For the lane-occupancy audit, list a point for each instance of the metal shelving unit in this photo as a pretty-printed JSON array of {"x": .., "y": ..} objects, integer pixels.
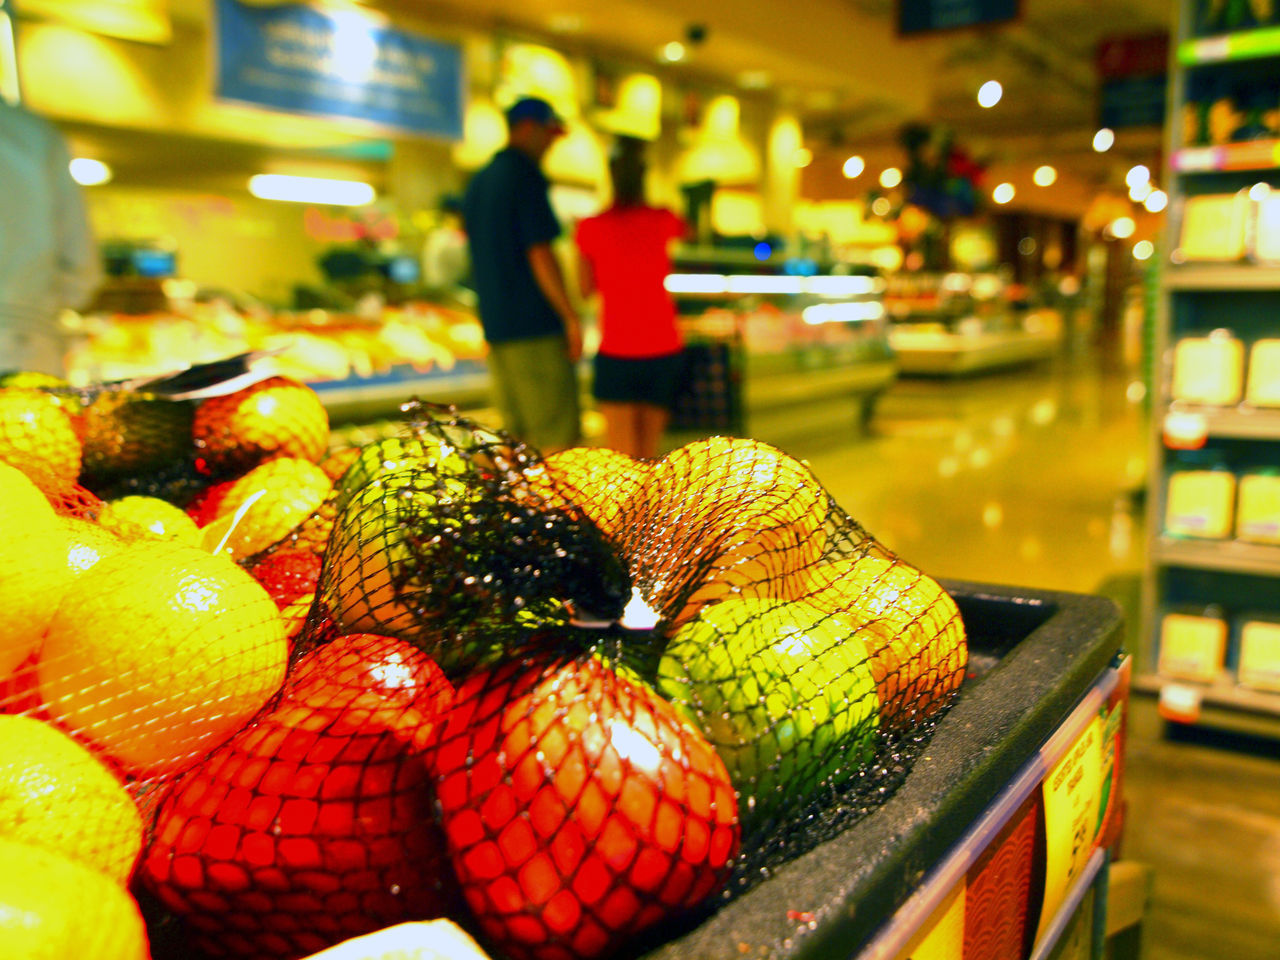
[{"x": 1195, "y": 298}]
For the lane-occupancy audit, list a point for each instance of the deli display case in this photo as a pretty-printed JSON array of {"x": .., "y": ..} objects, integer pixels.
[
  {"x": 955, "y": 324},
  {"x": 362, "y": 364},
  {"x": 778, "y": 345}
]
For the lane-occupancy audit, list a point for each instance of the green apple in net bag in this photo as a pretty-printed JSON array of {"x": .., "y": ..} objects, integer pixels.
[
  {"x": 783, "y": 692},
  {"x": 396, "y": 455}
]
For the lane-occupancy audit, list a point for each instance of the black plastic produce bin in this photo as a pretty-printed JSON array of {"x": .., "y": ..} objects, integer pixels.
[{"x": 1033, "y": 656}]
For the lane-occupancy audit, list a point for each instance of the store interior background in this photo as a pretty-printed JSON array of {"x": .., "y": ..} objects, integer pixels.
[{"x": 1033, "y": 475}]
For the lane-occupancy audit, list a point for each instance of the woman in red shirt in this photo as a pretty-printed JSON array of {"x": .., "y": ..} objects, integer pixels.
[{"x": 624, "y": 253}]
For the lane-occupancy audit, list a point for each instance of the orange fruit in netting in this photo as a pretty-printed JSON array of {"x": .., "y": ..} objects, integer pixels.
[
  {"x": 159, "y": 653},
  {"x": 53, "y": 907},
  {"x": 84, "y": 543},
  {"x": 276, "y": 417},
  {"x": 291, "y": 491},
  {"x": 56, "y": 794},
  {"x": 336, "y": 462},
  {"x": 603, "y": 483},
  {"x": 749, "y": 515},
  {"x": 910, "y": 625},
  {"x": 139, "y": 517},
  {"x": 87, "y": 543},
  {"x": 37, "y": 437},
  {"x": 33, "y": 566},
  {"x": 771, "y": 562}
]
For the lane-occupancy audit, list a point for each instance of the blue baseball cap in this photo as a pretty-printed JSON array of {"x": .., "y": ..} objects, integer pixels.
[{"x": 535, "y": 109}]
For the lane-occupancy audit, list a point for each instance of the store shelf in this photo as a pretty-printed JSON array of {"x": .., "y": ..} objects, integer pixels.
[
  {"x": 1222, "y": 276},
  {"x": 1228, "y": 157},
  {"x": 1228, "y": 47},
  {"x": 1230, "y": 556},
  {"x": 1237, "y": 423},
  {"x": 1221, "y": 705}
]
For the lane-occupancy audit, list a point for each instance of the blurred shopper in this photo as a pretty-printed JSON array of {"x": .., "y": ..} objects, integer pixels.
[
  {"x": 625, "y": 254},
  {"x": 47, "y": 256},
  {"x": 533, "y": 331}
]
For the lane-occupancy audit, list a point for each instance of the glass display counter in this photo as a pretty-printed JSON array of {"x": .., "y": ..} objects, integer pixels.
[
  {"x": 954, "y": 324},
  {"x": 800, "y": 349},
  {"x": 360, "y": 365}
]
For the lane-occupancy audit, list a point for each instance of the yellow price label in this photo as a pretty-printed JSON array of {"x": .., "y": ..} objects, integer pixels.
[{"x": 1072, "y": 796}]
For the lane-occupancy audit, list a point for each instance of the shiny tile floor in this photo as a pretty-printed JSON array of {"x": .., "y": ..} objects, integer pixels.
[
  {"x": 1032, "y": 477},
  {"x": 1023, "y": 477}
]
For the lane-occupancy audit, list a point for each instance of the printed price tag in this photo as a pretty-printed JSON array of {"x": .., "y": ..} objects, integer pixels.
[
  {"x": 1072, "y": 796},
  {"x": 1211, "y": 48},
  {"x": 1179, "y": 703},
  {"x": 1193, "y": 159},
  {"x": 1185, "y": 431},
  {"x": 941, "y": 937}
]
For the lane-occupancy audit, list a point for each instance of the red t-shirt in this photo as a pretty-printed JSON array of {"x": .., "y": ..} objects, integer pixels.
[{"x": 627, "y": 248}]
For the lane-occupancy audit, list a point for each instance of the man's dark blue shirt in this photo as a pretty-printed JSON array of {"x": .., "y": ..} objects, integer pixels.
[{"x": 507, "y": 211}]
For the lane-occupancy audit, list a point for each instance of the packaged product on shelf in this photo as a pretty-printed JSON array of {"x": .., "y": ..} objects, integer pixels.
[
  {"x": 1208, "y": 370},
  {"x": 1263, "y": 388},
  {"x": 1258, "y": 663},
  {"x": 1199, "y": 502},
  {"x": 1265, "y": 244},
  {"x": 1193, "y": 646},
  {"x": 1258, "y": 507},
  {"x": 1214, "y": 227}
]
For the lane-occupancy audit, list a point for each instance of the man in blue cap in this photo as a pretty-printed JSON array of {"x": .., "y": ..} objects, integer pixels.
[{"x": 533, "y": 330}]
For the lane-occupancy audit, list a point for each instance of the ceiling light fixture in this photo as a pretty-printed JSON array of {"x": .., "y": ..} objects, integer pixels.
[
  {"x": 1003, "y": 193},
  {"x": 343, "y": 193},
  {"x": 1122, "y": 227},
  {"x": 853, "y": 167},
  {"x": 1104, "y": 139},
  {"x": 89, "y": 173},
  {"x": 1045, "y": 176},
  {"x": 1143, "y": 249},
  {"x": 673, "y": 52},
  {"x": 1156, "y": 201},
  {"x": 890, "y": 177},
  {"x": 989, "y": 93},
  {"x": 1140, "y": 191},
  {"x": 1138, "y": 174}
]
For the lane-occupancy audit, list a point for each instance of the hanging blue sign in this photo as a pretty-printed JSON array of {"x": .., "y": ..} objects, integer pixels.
[
  {"x": 338, "y": 63},
  {"x": 925, "y": 16}
]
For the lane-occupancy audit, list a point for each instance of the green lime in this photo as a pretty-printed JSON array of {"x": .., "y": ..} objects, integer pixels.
[
  {"x": 784, "y": 694},
  {"x": 397, "y": 456}
]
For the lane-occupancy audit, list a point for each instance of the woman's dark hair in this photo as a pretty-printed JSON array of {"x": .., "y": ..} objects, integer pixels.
[{"x": 626, "y": 168}]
